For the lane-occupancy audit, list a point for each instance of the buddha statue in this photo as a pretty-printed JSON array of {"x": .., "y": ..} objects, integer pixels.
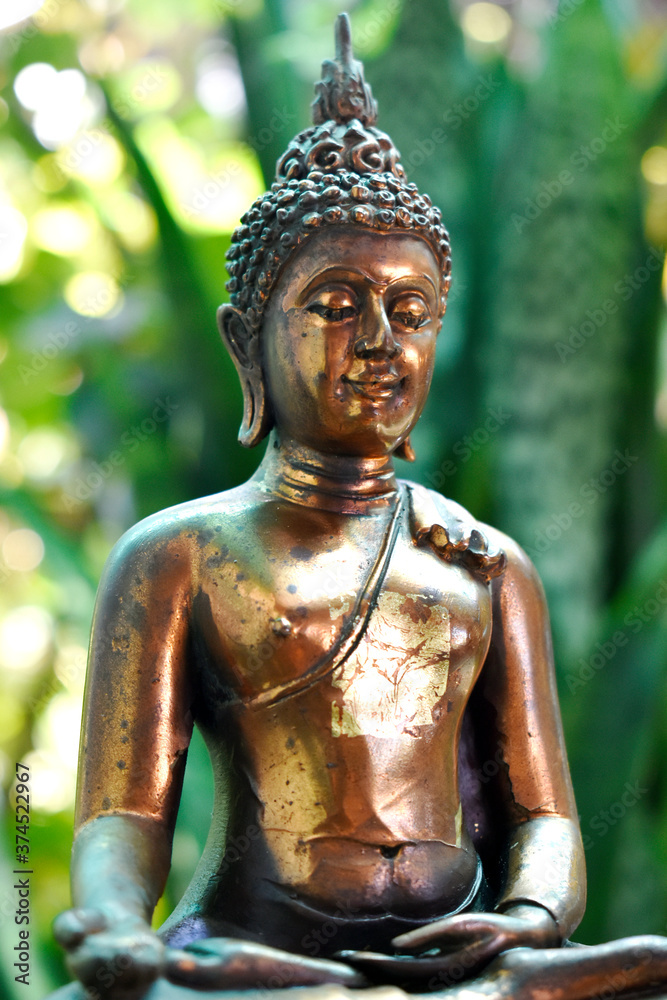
[{"x": 352, "y": 647}]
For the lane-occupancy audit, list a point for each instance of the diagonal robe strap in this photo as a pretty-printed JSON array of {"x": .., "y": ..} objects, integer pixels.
[{"x": 353, "y": 631}]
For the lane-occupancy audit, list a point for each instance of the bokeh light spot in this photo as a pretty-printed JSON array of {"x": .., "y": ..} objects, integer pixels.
[
  {"x": 23, "y": 550},
  {"x": 52, "y": 786},
  {"x": 148, "y": 87},
  {"x": 15, "y": 11},
  {"x": 60, "y": 102},
  {"x": 43, "y": 452},
  {"x": 57, "y": 730},
  {"x": 487, "y": 23},
  {"x": 101, "y": 56},
  {"x": 12, "y": 716},
  {"x": 33, "y": 82},
  {"x": 62, "y": 230},
  {"x": 219, "y": 86},
  {"x": 69, "y": 383},
  {"x": 13, "y": 231},
  {"x": 654, "y": 165},
  {"x": 93, "y": 156},
  {"x": 133, "y": 219},
  {"x": 5, "y": 432},
  {"x": 70, "y": 667},
  {"x": 25, "y": 639},
  {"x": 92, "y": 293}
]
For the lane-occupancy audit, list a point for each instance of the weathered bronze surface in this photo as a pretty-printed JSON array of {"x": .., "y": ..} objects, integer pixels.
[{"x": 352, "y": 647}]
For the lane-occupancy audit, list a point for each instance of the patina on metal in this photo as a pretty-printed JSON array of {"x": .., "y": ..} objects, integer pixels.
[{"x": 353, "y": 648}]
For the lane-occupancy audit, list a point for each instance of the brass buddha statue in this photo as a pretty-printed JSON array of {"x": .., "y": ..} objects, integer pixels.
[{"x": 352, "y": 647}]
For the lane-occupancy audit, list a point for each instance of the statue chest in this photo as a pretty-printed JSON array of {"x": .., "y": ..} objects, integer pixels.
[
  {"x": 397, "y": 677},
  {"x": 267, "y": 629}
]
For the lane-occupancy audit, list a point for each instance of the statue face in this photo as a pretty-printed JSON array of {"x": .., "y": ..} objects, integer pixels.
[{"x": 349, "y": 340}]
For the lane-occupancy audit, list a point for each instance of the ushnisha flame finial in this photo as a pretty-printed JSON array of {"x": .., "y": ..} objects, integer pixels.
[
  {"x": 341, "y": 171},
  {"x": 343, "y": 136},
  {"x": 342, "y": 93}
]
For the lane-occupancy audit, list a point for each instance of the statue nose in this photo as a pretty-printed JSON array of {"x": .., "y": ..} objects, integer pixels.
[{"x": 376, "y": 336}]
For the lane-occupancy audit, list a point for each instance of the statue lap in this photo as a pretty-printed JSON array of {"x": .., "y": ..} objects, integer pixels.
[{"x": 520, "y": 974}]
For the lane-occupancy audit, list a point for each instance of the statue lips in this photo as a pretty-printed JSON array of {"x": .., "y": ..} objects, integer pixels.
[{"x": 376, "y": 387}]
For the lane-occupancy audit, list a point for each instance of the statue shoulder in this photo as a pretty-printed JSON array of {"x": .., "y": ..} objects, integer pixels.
[
  {"x": 487, "y": 553},
  {"x": 424, "y": 499},
  {"x": 167, "y": 540},
  {"x": 519, "y": 566},
  {"x": 454, "y": 534}
]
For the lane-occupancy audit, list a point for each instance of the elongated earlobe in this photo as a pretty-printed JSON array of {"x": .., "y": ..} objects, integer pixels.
[
  {"x": 406, "y": 451},
  {"x": 243, "y": 347}
]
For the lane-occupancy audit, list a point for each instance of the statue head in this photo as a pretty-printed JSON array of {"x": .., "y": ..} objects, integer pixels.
[{"x": 341, "y": 176}]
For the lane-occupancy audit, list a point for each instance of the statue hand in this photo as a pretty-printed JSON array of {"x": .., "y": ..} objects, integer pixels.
[
  {"x": 521, "y": 926},
  {"x": 119, "y": 953},
  {"x": 466, "y": 942},
  {"x": 230, "y": 963}
]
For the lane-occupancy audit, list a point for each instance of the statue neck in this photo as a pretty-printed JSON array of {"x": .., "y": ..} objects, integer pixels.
[{"x": 339, "y": 483}]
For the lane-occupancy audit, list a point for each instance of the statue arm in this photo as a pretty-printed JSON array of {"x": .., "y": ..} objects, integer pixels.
[
  {"x": 137, "y": 723},
  {"x": 545, "y": 858},
  {"x": 137, "y": 716}
]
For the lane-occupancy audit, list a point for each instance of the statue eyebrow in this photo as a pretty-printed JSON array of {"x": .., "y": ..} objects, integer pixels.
[{"x": 336, "y": 273}]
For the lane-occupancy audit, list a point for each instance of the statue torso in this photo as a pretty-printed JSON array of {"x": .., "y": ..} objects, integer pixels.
[{"x": 349, "y": 770}]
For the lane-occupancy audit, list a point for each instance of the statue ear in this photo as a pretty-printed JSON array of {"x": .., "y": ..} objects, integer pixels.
[
  {"x": 242, "y": 344},
  {"x": 406, "y": 451}
]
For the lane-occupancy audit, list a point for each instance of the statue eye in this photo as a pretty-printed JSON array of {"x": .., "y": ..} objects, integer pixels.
[
  {"x": 410, "y": 320},
  {"x": 332, "y": 314},
  {"x": 411, "y": 312}
]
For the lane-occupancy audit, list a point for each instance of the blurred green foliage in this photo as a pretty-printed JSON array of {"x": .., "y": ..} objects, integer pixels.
[{"x": 539, "y": 129}]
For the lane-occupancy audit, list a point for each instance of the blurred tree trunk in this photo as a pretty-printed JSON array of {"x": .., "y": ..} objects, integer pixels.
[
  {"x": 275, "y": 96},
  {"x": 567, "y": 228},
  {"x": 571, "y": 315}
]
